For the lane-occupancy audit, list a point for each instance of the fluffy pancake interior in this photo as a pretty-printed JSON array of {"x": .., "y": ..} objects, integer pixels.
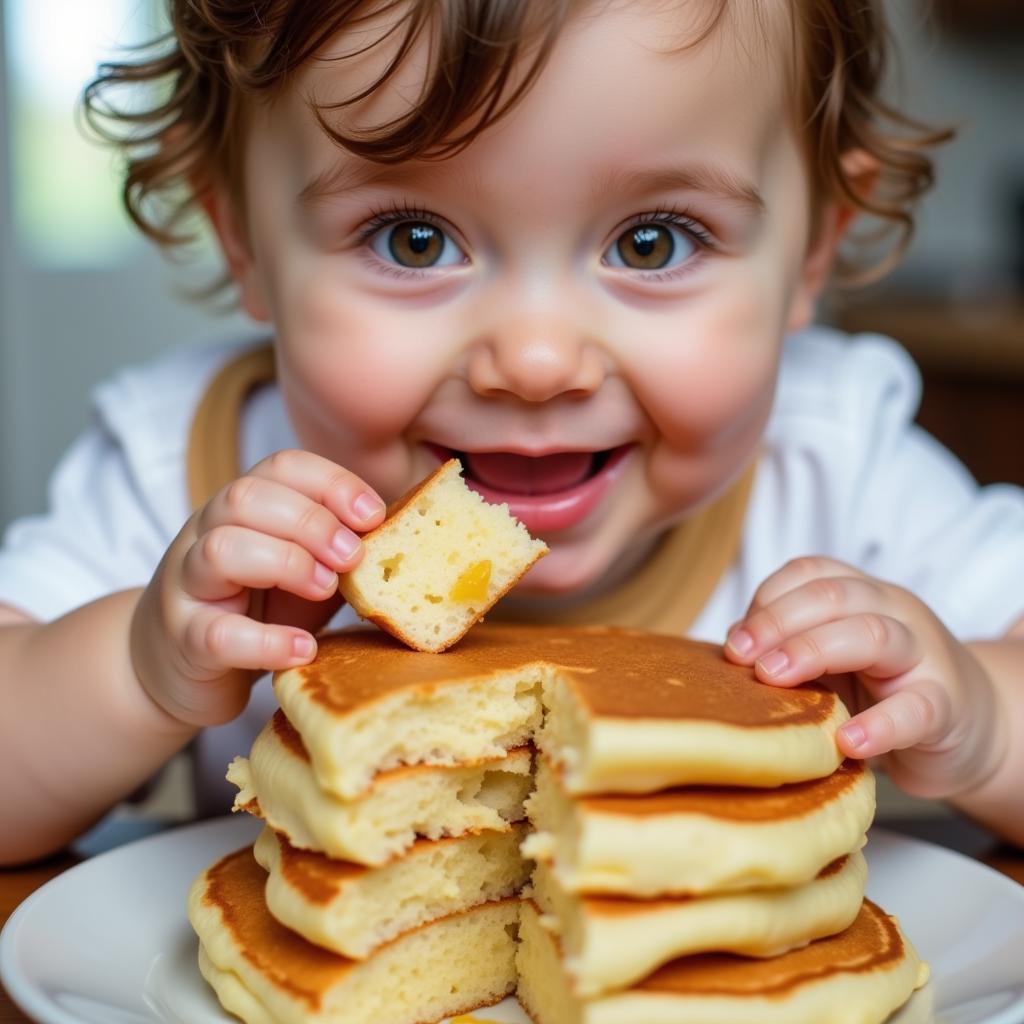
[
  {"x": 483, "y": 717},
  {"x": 351, "y": 909},
  {"x": 450, "y": 966},
  {"x": 403, "y": 804},
  {"x": 439, "y": 562}
]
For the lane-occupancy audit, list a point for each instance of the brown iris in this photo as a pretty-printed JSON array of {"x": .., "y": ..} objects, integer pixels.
[
  {"x": 646, "y": 247},
  {"x": 416, "y": 244}
]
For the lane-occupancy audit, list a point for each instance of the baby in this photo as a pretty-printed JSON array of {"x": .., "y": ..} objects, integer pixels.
[{"x": 579, "y": 245}]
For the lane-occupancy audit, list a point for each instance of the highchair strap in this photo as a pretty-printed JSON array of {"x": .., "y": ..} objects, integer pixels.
[{"x": 214, "y": 445}]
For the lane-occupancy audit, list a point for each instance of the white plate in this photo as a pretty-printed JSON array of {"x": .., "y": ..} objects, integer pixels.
[{"x": 108, "y": 941}]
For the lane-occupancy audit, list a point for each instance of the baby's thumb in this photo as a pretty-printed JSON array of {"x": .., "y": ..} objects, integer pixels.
[{"x": 916, "y": 715}]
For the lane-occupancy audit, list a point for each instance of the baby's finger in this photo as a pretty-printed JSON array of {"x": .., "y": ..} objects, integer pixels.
[
  {"x": 917, "y": 714},
  {"x": 219, "y": 640},
  {"x": 872, "y": 644},
  {"x": 230, "y": 559},
  {"x": 271, "y": 508},
  {"x": 796, "y": 573},
  {"x": 823, "y": 599},
  {"x": 352, "y": 500}
]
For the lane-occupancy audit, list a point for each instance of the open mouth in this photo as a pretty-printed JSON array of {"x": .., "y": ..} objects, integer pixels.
[{"x": 545, "y": 492}]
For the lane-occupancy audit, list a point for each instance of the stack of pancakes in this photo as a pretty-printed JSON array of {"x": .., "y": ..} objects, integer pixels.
[{"x": 697, "y": 840}]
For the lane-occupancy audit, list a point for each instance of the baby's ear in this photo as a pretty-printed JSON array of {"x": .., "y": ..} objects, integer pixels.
[
  {"x": 860, "y": 169},
  {"x": 225, "y": 218}
]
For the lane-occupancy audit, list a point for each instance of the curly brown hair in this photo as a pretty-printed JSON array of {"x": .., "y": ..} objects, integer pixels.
[{"x": 221, "y": 55}]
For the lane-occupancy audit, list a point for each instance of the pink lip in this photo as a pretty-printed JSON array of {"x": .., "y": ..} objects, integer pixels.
[{"x": 548, "y": 513}]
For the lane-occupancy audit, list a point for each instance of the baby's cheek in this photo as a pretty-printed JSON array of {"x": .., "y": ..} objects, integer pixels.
[
  {"x": 710, "y": 399},
  {"x": 352, "y": 385},
  {"x": 716, "y": 384},
  {"x": 359, "y": 370}
]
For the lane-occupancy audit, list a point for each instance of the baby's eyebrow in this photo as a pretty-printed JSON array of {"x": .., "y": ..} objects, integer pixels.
[
  {"x": 710, "y": 179},
  {"x": 349, "y": 175},
  {"x": 718, "y": 182}
]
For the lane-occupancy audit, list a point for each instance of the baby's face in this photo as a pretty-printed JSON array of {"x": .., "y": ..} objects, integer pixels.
[{"x": 586, "y": 305}]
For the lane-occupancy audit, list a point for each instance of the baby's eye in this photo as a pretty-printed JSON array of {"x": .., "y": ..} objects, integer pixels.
[
  {"x": 416, "y": 244},
  {"x": 650, "y": 246}
]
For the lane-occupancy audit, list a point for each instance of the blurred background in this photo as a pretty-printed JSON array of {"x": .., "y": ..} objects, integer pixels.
[
  {"x": 81, "y": 294},
  {"x": 81, "y": 291}
]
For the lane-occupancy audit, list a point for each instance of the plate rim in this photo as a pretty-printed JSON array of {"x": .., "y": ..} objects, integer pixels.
[
  {"x": 26, "y": 996},
  {"x": 35, "y": 1003}
]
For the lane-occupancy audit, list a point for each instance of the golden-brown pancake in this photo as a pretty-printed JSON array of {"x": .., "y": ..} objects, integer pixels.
[
  {"x": 859, "y": 976},
  {"x": 276, "y": 783},
  {"x": 625, "y": 711},
  {"x": 267, "y": 974},
  {"x": 700, "y": 839},
  {"x": 612, "y": 942},
  {"x": 351, "y": 909}
]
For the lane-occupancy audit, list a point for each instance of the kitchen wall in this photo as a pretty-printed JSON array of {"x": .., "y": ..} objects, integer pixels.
[{"x": 971, "y": 229}]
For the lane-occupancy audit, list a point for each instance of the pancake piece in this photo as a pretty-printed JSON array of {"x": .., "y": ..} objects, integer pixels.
[
  {"x": 644, "y": 712},
  {"x": 367, "y": 705},
  {"x": 857, "y": 977},
  {"x": 625, "y": 711},
  {"x": 697, "y": 840},
  {"x": 276, "y": 783},
  {"x": 351, "y": 909},
  {"x": 266, "y": 974},
  {"x": 610, "y": 942},
  {"x": 438, "y": 562}
]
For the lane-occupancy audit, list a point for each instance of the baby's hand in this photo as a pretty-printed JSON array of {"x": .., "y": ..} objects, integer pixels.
[
  {"x": 918, "y": 696},
  {"x": 250, "y": 578}
]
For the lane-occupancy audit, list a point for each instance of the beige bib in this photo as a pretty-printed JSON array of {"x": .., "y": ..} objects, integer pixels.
[{"x": 665, "y": 595}]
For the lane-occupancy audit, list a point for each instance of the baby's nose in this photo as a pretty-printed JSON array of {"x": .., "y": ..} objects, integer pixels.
[{"x": 536, "y": 358}]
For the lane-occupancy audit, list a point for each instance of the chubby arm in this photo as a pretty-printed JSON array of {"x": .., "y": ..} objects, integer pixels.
[
  {"x": 95, "y": 702},
  {"x": 77, "y": 732},
  {"x": 998, "y": 802}
]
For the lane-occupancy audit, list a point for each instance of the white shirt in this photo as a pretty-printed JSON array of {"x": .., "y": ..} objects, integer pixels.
[{"x": 844, "y": 472}]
